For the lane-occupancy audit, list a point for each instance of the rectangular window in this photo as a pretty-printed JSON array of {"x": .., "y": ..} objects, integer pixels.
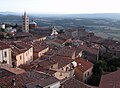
[
  {"x": 51, "y": 66},
  {"x": 20, "y": 57},
  {"x": 5, "y": 53},
  {"x": 31, "y": 57},
  {"x": 85, "y": 75},
  {"x": 31, "y": 50},
  {"x": 88, "y": 73}
]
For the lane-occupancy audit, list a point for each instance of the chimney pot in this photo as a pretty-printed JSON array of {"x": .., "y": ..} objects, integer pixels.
[{"x": 13, "y": 82}]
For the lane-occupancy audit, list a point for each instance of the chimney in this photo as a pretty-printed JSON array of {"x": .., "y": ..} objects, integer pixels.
[
  {"x": 13, "y": 82},
  {"x": 86, "y": 60},
  {"x": 62, "y": 86}
]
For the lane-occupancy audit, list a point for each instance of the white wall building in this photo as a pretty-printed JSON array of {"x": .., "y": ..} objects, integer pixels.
[
  {"x": 5, "y": 54},
  {"x": 2, "y": 26}
]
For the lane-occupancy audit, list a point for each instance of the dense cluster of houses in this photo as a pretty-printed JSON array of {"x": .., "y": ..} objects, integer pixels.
[{"x": 55, "y": 61}]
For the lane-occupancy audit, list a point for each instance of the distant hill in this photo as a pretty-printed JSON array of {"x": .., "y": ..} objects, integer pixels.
[
  {"x": 96, "y": 15},
  {"x": 10, "y": 19},
  {"x": 64, "y": 19},
  {"x": 9, "y": 13}
]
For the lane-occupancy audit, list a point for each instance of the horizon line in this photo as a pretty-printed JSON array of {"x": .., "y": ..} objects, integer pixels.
[{"x": 55, "y": 13}]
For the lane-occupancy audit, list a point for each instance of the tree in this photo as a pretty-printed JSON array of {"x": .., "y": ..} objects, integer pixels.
[
  {"x": 68, "y": 44},
  {"x": 2, "y": 30},
  {"x": 94, "y": 79},
  {"x": 100, "y": 67},
  {"x": 3, "y": 86}
]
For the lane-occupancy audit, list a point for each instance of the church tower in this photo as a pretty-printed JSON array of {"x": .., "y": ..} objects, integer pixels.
[{"x": 25, "y": 25}]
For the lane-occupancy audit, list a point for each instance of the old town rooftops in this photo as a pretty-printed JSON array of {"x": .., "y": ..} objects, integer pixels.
[
  {"x": 3, "y": 45},
  {"x": 26, "y": 79},
  {"x": 74, "y": 83},
  {"x": 19, "y": 47},
  {"x": 83, "y": 64},
  {"x": 111, "y": 80},
  {"x": 62, "y": 61},
  {"x": 66, "y": 52}
]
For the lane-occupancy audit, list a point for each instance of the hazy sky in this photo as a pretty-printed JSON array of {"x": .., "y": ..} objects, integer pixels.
[{"x": 61, "y": 6}]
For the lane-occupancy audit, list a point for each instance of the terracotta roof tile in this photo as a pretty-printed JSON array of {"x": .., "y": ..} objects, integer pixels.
[
  {"x": 28, "y": 78},
  {"x": 89, "y": 49},
  {"x": 44, "y": 63},
  {"x": 66, "y": 52},
  {"x": 74, "y": 83},
  {"x": 4, "y": 45},
  {"x": 5, "y": 73},
  {"x": 60, "y": 41},
  {"x": 111, "y": 80},
  {"x": 62, "y": 61},
  {"x": 83, "y": 64},
  {"x": 45, "y": 82}
]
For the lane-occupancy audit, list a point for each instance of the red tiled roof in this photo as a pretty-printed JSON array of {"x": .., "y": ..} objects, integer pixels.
[
  {"x": 14, "y": 70},
  {"x": 62, "y": 61},
  {"x": 44, "y": 63},
  {"x": 83, "y": 64},
  {"x": 38, "y": 64},
  {"x": 26, "y": 79},
  {"x": 95, "y": 39},
  {"x": 45, "y": 82},
  {"x": 3, "y": 45},
  {"x": 5, "y": 73},
  {"x": 38, "y": 47},
  {"x": 37, "y": 68},
  {"x": 66, "y": 52},
  {"x": 74, "y": 83},
  {"x": 59, "y": 41},
  {"x": 16, "y": 51},
  {"x": 111, "y": 80},
  {"x": 50, "y": 52},
  {"x": 19, "y": 47},
  {"x": 89, "y": 49},
  {"x": 63, "y": 37}
]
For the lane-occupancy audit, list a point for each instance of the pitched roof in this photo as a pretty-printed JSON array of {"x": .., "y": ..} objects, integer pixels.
[
  {"x": 25, "y": 79},
  {"x": 12, "y": 70},
  {"x": 66, "y": 52},
  {"x": 38, "y": 69},
  {"x": 4, "y": 45},
  {"x": 62, "y": 61},
  {"x": 83, "y": 64},
  {"x": 111, "y": 80},
  {"x": 5, "y": 73},
  {"x": 74, "y": 83},
  {"x": 45, "y": 82},
  {"x": 63, "y": 36},
  {"x": 89, "y": 49},
  {"x": 50, "y": 52},
  {"x": 44, "y": 63},
  {"x": 39, "y": 47},
  {"x": 60, "y": 41},
  {"x": 19, "y": 47}
]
